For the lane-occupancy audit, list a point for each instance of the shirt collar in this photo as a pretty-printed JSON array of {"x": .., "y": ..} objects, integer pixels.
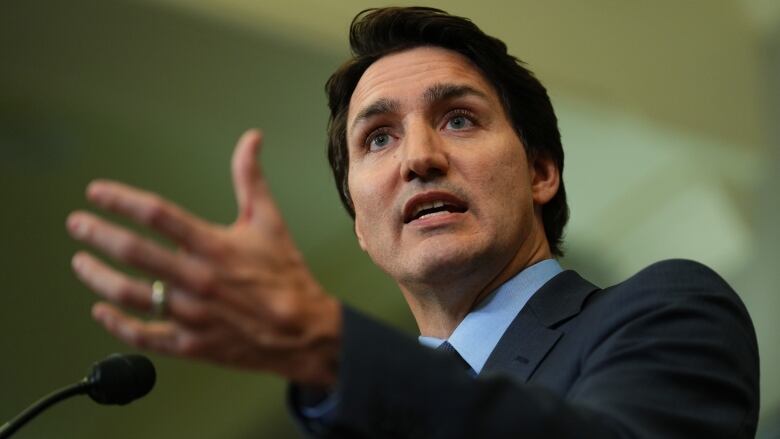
[{"x": 479, "y": 332}]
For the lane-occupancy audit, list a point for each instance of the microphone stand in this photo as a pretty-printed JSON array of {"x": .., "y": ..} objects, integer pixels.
[
  {"x": 42, "y": 404},
  {"x": 118, "y": 379}
]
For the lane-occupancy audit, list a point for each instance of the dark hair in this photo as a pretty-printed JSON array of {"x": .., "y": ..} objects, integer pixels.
[{"x": 375, "y": 33}]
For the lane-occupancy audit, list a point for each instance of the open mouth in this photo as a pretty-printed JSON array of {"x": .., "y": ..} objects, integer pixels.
[{"x": 431, "y": 204}]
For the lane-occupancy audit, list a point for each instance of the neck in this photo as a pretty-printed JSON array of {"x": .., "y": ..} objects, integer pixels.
[{"x": 438, "y": 308}]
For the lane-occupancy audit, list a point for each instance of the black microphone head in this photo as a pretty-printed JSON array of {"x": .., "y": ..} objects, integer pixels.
[{"x": 120, "y": 378}]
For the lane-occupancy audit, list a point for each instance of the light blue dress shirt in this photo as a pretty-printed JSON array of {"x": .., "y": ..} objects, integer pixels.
[{"x": 479, "y": 332}]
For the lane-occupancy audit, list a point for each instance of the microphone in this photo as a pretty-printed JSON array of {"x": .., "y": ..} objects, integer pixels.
[{"x": 118, "y": 379}]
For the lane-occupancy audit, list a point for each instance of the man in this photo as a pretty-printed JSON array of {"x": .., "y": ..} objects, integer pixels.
[{"x": 447, "y": 154}]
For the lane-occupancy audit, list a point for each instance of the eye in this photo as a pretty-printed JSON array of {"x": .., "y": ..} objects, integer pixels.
[
  {"x": 460, "y": 120},
  {"x": 378, "y": 140}
]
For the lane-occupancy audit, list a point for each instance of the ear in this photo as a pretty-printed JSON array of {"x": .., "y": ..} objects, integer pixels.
[{"x": 545, "y": 179}]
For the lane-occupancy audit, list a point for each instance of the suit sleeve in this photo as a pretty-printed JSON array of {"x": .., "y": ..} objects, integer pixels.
[{"x": 669, "y": 353}]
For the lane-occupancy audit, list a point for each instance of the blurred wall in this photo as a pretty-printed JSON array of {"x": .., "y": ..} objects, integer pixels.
[{"x": 668, "y": 112}]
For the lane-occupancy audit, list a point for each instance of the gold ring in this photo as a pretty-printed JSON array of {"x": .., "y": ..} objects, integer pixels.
[{"x": 159, "y": 299}]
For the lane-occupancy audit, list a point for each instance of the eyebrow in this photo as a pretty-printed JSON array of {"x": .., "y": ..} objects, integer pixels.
[
  {"x": 434, "y": 94},
  {"x": 445, "y": 92},
  {"x": 381, "y": 106}
]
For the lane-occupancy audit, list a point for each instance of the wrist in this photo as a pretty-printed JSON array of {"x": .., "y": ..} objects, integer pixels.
[{"x": 322, "y": 348}]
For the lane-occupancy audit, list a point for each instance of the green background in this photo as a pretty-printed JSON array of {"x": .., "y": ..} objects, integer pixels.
[{"x": 668, "y": 111}]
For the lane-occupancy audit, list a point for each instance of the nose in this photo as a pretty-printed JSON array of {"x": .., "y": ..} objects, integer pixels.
[{"x": 425, "y": 156}]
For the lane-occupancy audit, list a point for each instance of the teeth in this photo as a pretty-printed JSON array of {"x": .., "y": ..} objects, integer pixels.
[{"x": 431, "y": 205}]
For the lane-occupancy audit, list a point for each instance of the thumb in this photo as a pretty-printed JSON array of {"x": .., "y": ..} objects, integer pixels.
[{"x": 250, "y": 187}]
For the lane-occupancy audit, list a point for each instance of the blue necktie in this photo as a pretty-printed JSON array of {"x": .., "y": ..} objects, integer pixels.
[{"x": 450, "y": 350}]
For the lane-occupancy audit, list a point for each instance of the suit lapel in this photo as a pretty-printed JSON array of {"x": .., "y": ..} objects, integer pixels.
[
  {"x": 521, "y": 348},
  {"x": 533, "y": 332}
]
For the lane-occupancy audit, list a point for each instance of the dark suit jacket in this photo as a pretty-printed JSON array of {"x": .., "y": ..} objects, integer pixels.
[{"x": 670, "y": 352}]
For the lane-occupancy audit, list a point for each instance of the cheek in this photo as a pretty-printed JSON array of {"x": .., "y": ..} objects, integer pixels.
[
  {"x": 502, "y": 183},
  {"x": 500, "y": 176},
  {"x": 359, "y": 228},
  {"x": 367, "y": 202},
  {"x": 372, "y": 184},
  {"x": 363, "y": 195}
]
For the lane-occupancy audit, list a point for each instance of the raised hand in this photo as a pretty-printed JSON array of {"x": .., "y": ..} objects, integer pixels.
[{"x": 238, "y": 295}]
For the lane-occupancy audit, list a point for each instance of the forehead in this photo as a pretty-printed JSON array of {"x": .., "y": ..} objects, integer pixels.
[{"x": 405, "y": 76}]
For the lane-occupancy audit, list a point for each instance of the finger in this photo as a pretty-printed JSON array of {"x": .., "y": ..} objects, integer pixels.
[
  {"x": 255, "y": 203},
  {"x": 245, "y": 171},
  {"x": 129, "y": 292},
  {"x": 150, "y": 210},
  {"x": 110, "y": 284},
  {"x": 166, "y": 337},
  {"x": 160, "y": 336},
  {"x": 177, "y": 268}
]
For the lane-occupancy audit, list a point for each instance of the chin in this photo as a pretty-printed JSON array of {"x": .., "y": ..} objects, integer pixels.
[{"x": 443, "y": 264}]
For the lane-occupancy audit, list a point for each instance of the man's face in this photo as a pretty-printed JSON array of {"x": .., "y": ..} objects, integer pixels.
[{"x": 439, "y": 179}]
